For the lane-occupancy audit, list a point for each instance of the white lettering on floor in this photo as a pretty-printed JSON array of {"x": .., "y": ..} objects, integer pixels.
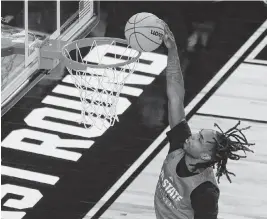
[{"x": 52, "y": 145}]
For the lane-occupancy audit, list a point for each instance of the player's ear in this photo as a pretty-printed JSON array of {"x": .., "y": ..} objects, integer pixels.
[{"x": 205, "y": 156}]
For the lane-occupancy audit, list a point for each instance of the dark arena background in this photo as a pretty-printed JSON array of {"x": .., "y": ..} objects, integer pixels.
[{"x": 54, "y": 168}]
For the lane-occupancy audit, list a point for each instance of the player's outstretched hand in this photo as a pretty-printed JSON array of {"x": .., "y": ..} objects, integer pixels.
[{"x": 168, "y": 37}]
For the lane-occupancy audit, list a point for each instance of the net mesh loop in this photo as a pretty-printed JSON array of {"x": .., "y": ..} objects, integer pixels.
[{"x": 100, "y": 88}]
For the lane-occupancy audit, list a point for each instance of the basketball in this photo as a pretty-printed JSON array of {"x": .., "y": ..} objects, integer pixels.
[{"x": 144, "y": 32}]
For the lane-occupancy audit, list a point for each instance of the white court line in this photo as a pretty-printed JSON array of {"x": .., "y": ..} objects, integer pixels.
[
  {"x": 188, "y": 108},
  {"x": 29, "y": 175},
  {"x": 256, "y": 51}
]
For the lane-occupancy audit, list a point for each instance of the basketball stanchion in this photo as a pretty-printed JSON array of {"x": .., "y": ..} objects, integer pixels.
[{"x": 99, "y": 75}]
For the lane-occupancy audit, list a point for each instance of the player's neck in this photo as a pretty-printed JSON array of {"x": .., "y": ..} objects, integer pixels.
[{"x": 190, "y": 162}]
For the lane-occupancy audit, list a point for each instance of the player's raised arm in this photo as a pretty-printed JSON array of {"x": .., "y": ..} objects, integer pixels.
[{"x": 175, "y": 81}]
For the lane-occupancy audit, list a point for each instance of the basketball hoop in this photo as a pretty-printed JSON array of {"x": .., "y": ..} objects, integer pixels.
[{"x": 99, "y": 76}]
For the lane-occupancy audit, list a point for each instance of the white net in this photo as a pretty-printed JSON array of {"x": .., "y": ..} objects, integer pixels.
[{"x": 99, "y": 88}]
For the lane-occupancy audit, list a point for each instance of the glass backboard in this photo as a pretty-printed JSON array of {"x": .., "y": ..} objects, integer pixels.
[{"x": 32, "y": 23}]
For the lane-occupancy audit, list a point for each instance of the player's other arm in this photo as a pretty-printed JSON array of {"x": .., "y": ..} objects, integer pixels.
[
  {"x": 175, "y": 81},
  {"x": 204, "y": 201}
]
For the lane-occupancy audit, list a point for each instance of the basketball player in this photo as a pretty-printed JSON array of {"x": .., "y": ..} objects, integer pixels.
[{"x": 187, "y": 187}]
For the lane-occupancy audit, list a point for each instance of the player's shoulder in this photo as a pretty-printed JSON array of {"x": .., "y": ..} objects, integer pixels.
[
  {"x": 175, "y": 153},
  {"x": 177, "y": 135},
  {"x": 180, "y": 128}
]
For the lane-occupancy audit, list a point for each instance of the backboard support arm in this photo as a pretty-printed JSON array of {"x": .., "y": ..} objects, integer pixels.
[{"x": 51, "y": 54}]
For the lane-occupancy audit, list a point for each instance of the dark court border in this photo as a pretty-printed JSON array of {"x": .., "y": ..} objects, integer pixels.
[{"x": 254, "y": 63}]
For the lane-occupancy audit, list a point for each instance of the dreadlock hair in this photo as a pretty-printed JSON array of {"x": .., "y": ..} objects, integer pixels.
[{"x": 225, "y": 145}]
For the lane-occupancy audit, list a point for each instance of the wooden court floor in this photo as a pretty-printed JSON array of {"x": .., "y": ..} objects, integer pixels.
[{"x": 241, "y": 97}]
